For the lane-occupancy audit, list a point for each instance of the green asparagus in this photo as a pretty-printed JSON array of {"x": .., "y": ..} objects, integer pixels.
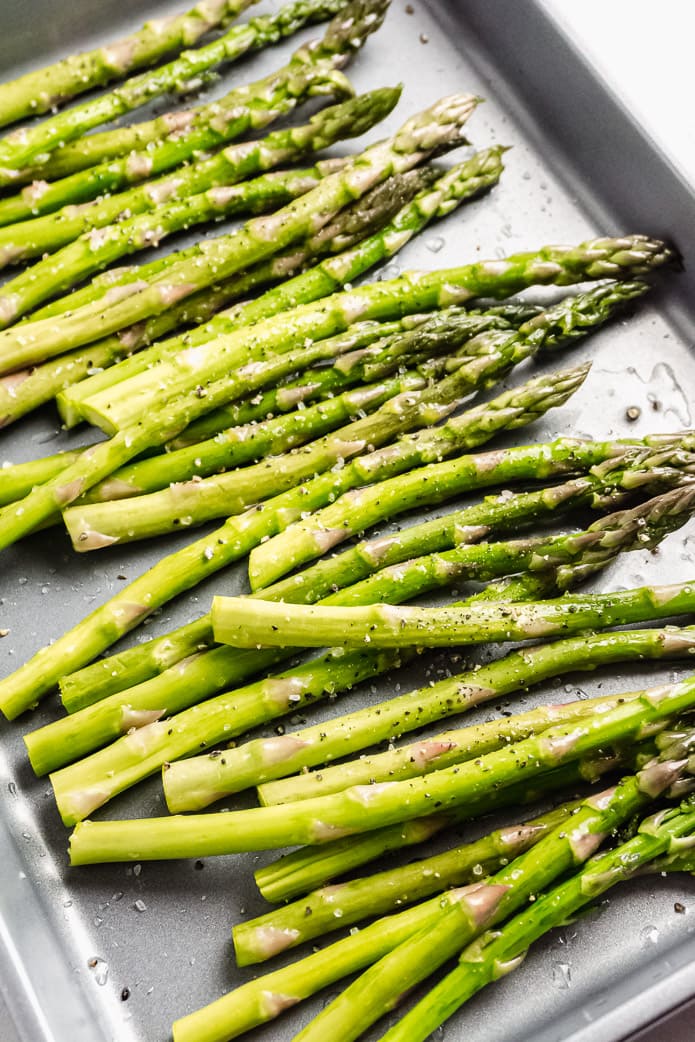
[
  {"x": 364, "y": 808},
  {"x": 22, "y": 391},
  {"x": 461, "y": 183},
  {"x": 194, "y": 783},
  {"x": 96, "y": 249},
  {"x": 20, "y": 149},
  {"x": 309, "y": 867},
  {"x": 314, "y": 915},
  {"x": 497, "y": 953},
  {"x": 257, "y": 240},
  {"x": 163, "y": 201},
  {"x": 40, "y": 91},
  {"x": 173, "y": 575},
  {"x": 225, "y": 494},
  {"x": 508, "y": 890}
]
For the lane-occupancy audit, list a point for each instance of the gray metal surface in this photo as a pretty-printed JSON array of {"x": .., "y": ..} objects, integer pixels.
[{"x": 72, "y": 940}]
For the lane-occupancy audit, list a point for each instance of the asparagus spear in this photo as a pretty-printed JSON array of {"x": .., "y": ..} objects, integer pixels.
[
  {"x": 559, "y": 457},
  {"x": 314, "y": 915},
  {"x": 364, "y": 808},
  {"x": 194, "y": 783},
  {"x": 462, "y": 182},
  {"x": 383, "y": 625},
  {"x": 17, "y": 480},
  {"x": 176, "y": 375},
  {"x": 19, "y": 149},
  {"x": 495, "y": 351},
  {"x": 40, "y": 91},
  {"x": 93, "y": 781},
  {"x": 49, "y": 746},
  {"x": 172, "y": 575},
  {"x": 372, "y": 363},
  {"x": 495, "y": 954},
  {"x": 103, "y": 775},
  {"x": 26, "y": 389},
  {"x": 263, "y": 999},
  {"x": 105, "y": 243},
  {"x": 255, "y": 241},
  {"x": 224, "y": 494},
  {"x": 242, "y": 444},
  {"x": 168, "y": 141},
  {"x": 20, "y": 392},
  {"x": 309, "y": 867},
  {"x": 433, "y": 484},
  {"x": 249, "y": 1006},
  {"x": 429, "y": 754},
  {"x": 83, "y": 786},
  {"x": 555, "y": 458},
  {"x": 164, "y": 200}
]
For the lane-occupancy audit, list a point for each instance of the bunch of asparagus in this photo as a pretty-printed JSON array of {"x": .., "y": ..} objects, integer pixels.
[{"x": 246, "y": 380}]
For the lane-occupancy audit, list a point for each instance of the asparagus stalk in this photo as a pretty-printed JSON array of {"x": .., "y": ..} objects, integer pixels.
[
  {"x": 26, "y": 389},
  {"x": 193, "y": 784},
  {"x": 42, "y": 90},
  {"x": 95, "y": 249},
  {"x": 20, "y": 392},
  {"x": 314, "y": 915},
  {"x": 372, "y": 363},
  {"x": 246, "y": 1008},
  {"x": 259, "y": 1001},
  {"x": 606, "y": 485},
  {"x": 461, "y": 183},
  {"x": 111, "y": 144},
  {"x": 257, "y": 240},
  {"x": 668, "y": 832},
  {"x": 19, "y": 479},
  {"x": 243, "y": 444},
  {"x": 173, "y": 575},
  {"x": 557, "y": 326},
  {"x": 165, "y": 199},
  {"x": 364, "y": 808},
  {"x": 555, "y": 458},
  {"x": 263, "y": 999},
  {"x": 168, "y": 141},
  {"x": 97, "y": 524},
  {"x": 304, "y": 869},
  {"x": 386, "y": 626},
  {"x": 83, "y": 786},
  {"x": 564, "y": 455},
  {"x": 133, "y": 666},
  {"x": 123, "y": 763},
  {"x": 176, "y": 375},
  {"x": 255, "y": 442},
  {"x": 19, "y": 149},
  {"x": 79, "y": 789},
  {"x": 431, "y": 754},
  {"x": 495, "y": 351},
  {"x": 432, "y": 484}
]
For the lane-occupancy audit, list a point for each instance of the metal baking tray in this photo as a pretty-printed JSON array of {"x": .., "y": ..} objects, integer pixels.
[{"x": 580, "y": 165}]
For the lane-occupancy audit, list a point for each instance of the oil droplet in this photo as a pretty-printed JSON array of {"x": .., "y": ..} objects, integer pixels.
[
  {"x": 649, "y": 935},
  {"x": 562, "y": 976},
  {"x": 435, "y": 244},
  {"x": 100, "y": 970}
]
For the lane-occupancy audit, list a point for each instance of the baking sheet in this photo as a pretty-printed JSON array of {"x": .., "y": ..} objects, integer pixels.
[{"x": 579, "y": 166}]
